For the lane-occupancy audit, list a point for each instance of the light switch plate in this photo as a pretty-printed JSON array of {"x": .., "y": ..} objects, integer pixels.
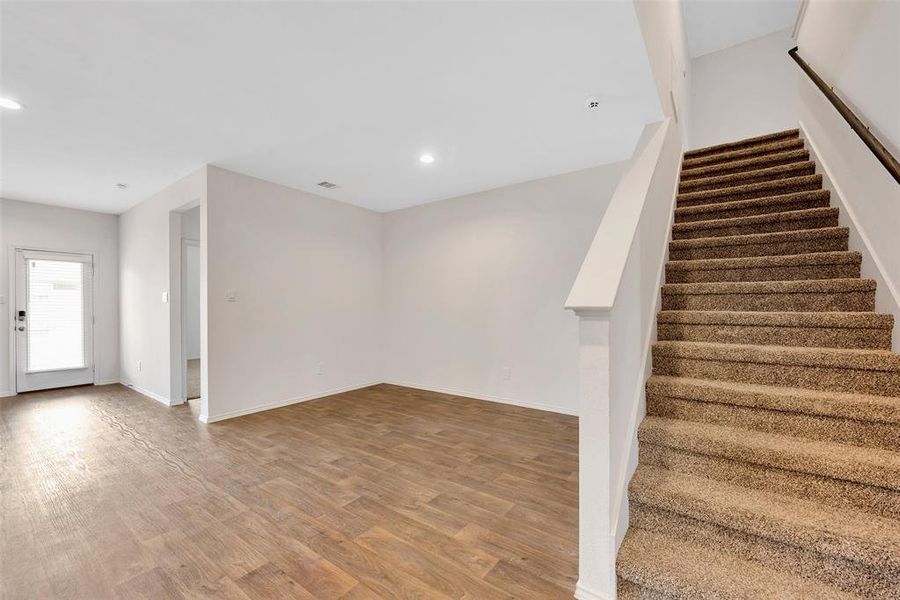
[
  {"x": 165, "y": 297},
  {"x": 2, "y": 299}
]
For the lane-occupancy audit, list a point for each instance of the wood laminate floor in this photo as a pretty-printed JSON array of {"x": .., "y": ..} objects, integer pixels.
[{"x": 385, "y": 492}]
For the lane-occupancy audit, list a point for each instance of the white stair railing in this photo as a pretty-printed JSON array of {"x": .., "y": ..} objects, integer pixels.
[{"x": 616, "y": 297}]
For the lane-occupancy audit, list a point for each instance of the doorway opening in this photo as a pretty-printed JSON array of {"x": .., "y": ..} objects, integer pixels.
[{"x": 191, "y": 316}]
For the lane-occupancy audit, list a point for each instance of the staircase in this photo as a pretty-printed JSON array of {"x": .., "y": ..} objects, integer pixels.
[{"x": 769, "y": 462}]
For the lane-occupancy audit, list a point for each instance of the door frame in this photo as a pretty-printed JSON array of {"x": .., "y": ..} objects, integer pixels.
[
  {"x": 185, "y": 242},
  {"x": 13, "y": 250}
]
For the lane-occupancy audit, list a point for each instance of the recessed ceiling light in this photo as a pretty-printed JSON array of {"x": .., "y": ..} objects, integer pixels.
[
  {"x": 10, "y": 104},
  {"x": 426, "y": 159}
]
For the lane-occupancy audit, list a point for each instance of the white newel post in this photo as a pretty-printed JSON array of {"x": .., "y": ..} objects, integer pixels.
[{"x": 596, "y": 544}]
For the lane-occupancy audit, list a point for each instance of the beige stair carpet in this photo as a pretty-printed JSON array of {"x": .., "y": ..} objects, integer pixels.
[{"x": 769, "y": 460}]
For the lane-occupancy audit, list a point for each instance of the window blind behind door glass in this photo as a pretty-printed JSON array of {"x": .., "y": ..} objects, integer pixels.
[{"x": 55, "y": 317}]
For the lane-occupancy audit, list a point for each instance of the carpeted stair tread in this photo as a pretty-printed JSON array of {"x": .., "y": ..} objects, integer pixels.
[
  {"x": 781, "y": 243},
  {"x": 858, "y": 464},
  {"x": 749, "y": 191},
  {"x": 754, "y": 206},
  {"x": 863, "y": 330},
  {"x": 743, "y": 143},
  {"x": 749, "y": 164},
  {"x": 839, "y": 532},
  {"x": 841, "y": 358},
  {"x": 817, "y": 265},
  {"x": 742, "y": 153},
  {"x": 838, "y": 320},
  {"x": 687, "y": 571},
  {"x": 744, "y": 177},
  {"x": 831, "y": 369},
  {"x": 824, "y": 286},
  {"x": 810, "y": 218}
]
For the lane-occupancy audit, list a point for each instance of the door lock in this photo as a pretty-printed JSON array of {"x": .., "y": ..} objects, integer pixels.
[{"x": 21, "y": 315}]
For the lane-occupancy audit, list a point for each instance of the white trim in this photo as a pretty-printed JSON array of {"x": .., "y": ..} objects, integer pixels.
[
  {"x": 149, "y": 394},
  {"x": 647, "y": 360},
  {"x": 487, "y": 398},
  {"x": 107, "y": 381},
  {"x": 185, "y": 242},
  {"x": 16, "y": 251},
  {"x": 831, "y": 182},
  {"x": 7, "y": 394},
  {"x": 801, "y": 14},
  {"x": 584, "y": 593},
  {"x": 280, "y": 403}
]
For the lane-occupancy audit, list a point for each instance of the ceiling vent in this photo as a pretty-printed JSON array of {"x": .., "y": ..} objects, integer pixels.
[{"x": 327, "y": 185}]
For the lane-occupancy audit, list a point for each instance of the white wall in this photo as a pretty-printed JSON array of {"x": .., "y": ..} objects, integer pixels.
[
  {"x": 744, "y": 91},
  {"x": 475, "y": 285},
  {"x": 38, "y": 226},
  {"x": 149, "y": 265},
  {"x": 306, "y": 273},
  {"x": 855, "y": 47},
  {"x": 663, "y": 29}
]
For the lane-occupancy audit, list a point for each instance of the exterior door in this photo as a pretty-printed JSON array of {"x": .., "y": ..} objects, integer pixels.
[{"x": 53, "y": 320}]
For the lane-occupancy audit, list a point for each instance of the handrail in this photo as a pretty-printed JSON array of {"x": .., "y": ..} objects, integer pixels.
[{"x": 881, "y": 153}]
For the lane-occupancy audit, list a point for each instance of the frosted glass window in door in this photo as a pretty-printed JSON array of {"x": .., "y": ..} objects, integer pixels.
[{"x": 56, "y": 327}]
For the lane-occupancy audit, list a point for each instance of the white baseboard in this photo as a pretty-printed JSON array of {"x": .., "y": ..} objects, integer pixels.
[
  {"x": 278, "y": 404},
  {"x": 6, "y": 394},
  {"x": 497, "y": 399},
  {"x": 106, "y": 382},
  {"x": 584, "y": 593},
  {"x": 148, "y": 393}
]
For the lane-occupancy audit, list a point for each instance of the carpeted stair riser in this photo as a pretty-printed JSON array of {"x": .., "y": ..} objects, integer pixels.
[
  {"x": 760, "y": 140},
  {"x": 813, "y": 218},
  {"x": 804, "y": 183},
  {"x": 751, "y": 164},
  {"x": 769, "y": 244},
  {"x": 847, "y": 575},
  {"x": 771, "y": 268},
  {"x": 810, "y": 376},
  {"x": 837, "y": 493},
  {"x": 756, "y": 206},
  {"x": 858, "y": 433},
  {"x": 774, "y": 334},
  {"x": 778, "y": 297},
  {"x": 771, "y": 173},
  {"x": 742, "y": 154}
]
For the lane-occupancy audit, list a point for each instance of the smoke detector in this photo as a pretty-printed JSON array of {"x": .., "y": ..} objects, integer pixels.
[
  {"x": 592, "y": 103},
  {"x": 327, "y": 185}
]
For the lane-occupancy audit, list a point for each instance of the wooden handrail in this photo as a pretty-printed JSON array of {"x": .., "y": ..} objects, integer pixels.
[{"x": 881, "y": 153}]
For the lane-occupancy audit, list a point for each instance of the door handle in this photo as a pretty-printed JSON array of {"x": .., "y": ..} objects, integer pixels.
[{"x": 20, "y": 328}]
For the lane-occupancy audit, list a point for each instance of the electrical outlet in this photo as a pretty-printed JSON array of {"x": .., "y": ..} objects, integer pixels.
[
  {"x": 320, "y": 368},
  {"x": 507, "y": 373},
  {"x": 165, "y": 297}
]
